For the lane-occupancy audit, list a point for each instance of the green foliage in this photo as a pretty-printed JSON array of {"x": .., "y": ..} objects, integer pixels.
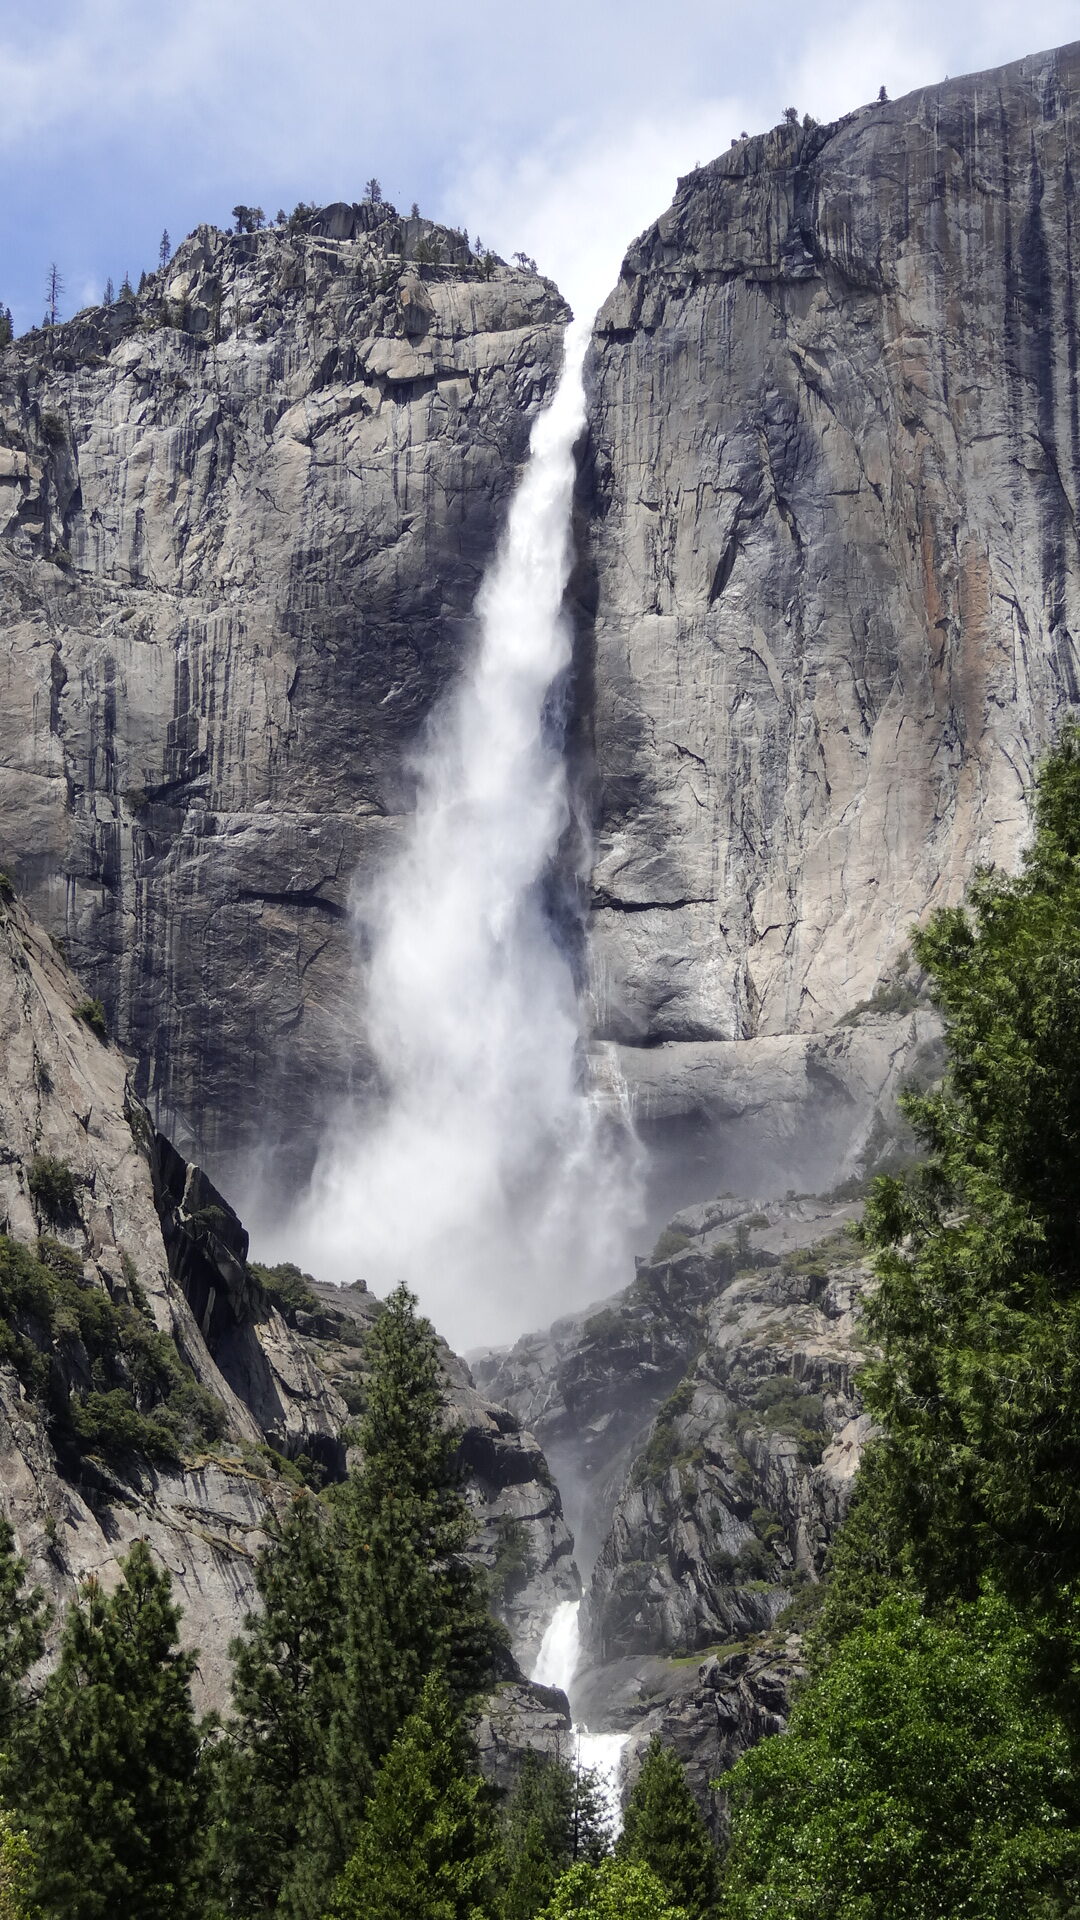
[
  {"x": 365, "y": 1597},
  {"x": 513, "y": 1561},
  {"x": 615, "y": 1890},
  {"x": 108, "y": 1793},
  {"x": 7, "y": 335},
  {"x": 7, "y": 888},
  {"x": 922, "y": 1775},
  {"x": 287, "y": 1289},
  {"x": 929, "y": 1769},
  {"x": 92, "y": 1014},
  {"x": 24, "y": 1616},
  {"x": 664, "y": 1449},
  {"x": 538, "y": 1834},
  {"x": 672, "y": 1241},
  {"x": 895, "y": 996},
  {"x": 53, "y": 1186},
  {"x": 663, "y": 1830},
  {"x": 977, "y": 1312},
  {"x": 556, "y": 1815},
  {"x": 55, "y": 1325},
  {"x": 53, "y": 431},
  {"x": 788, "y": 1408},
  {"x": 18, "y": 1868},
  {"x": 427, "y": 1845},
  {"x": 266, "y": 1782}
]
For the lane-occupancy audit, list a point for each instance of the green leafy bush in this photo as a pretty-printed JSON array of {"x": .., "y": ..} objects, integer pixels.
[
  {"x": 53, "y": 1186},
  {"x": 287, "y": 1288},
  {"x": 672, "y": 1241},
  {"x": 513, "y": 1561},
  {"x": 922, "y": 1774},
  {"x": 55, "y": 1324},
  {"x": 92, "y": 1014}
]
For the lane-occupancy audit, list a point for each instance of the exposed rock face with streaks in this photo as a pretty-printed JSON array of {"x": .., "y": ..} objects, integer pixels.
[
  {"x": 242, "y": 523},
  {"x": 831, "y": 583},
  {"x": 146, "y": 1236},
  {"x": 707, "y": 1428}
]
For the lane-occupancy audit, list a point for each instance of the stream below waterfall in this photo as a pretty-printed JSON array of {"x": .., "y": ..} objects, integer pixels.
[{"x": 556, "y": 1664}]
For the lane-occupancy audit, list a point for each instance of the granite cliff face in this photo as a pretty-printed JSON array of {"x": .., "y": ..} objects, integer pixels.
[
  {"x": 707, "y": 1427},
  {"x": 153, "y": 1384},
  {"x": 242, "y": 522},
  {"x": 827, "y": 596},
  {"x": 830, "y": 585}
]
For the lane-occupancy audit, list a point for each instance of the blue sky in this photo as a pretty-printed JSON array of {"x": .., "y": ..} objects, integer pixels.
[{"x": 558, "y": 128}]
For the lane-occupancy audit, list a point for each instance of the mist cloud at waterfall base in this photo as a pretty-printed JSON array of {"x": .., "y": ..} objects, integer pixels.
[{"x": 491, "y": 1168}]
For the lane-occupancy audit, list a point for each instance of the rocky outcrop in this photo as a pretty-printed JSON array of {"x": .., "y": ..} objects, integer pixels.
[
  {"x": 154, "y": 1384},
  {"x": 242, "y": 521},
  {"x": 707, "y": 1427},
  {"x": 830, "y": 588},
  {"x": 729, "y": 1508}
]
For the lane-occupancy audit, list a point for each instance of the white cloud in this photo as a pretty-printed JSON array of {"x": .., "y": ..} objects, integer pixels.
[{"x": 575, "y": 204}]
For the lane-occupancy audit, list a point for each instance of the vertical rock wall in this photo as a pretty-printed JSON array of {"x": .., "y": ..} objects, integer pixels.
[
  {"x": 242, "y": 522},
  {"x": 832, "y": 586}
]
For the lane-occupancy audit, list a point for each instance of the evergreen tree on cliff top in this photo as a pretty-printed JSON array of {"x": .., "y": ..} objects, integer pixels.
[
  {"x": 365, "y": 1594},
  {"x": 111, "y": 1802}
]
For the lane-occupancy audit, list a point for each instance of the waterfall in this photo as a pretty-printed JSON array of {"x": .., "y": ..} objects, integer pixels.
[
  {"x": 556, "y": 1666},
  {"x": 488, "y": 1172}
]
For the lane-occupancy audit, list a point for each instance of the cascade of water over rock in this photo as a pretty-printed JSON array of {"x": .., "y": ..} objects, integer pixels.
[
  {"x": 486, "y": 1171},
  {"x": 556, "y": 1666}
]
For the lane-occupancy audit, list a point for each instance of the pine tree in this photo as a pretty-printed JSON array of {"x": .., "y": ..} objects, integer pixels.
[
  {"x": 360, "y": 1608},
  {"x": 412, "y": 1605},
  {"x": 663, "y": 1828},
  {"x": 554, "y": 1816},
  {"x": 373, "y": 191},
  {"x": 127, "y": 291},
  {"x": 427, "y": 1846},
  {"x": 24, "y": 1617},
  {"x": 266, "y": 1776},
  {"x": 109, "y": 294},
  {"x": 110, "y": 1799},
  {"x": 7, "y": 330},
  {"x": 54, "y": 293},
  {"x": 164, "y": 249}
]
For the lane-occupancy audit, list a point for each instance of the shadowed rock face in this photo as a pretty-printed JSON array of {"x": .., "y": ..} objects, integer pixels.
[
  {"x": 831, "y": 583},
  {"x": 242, "y": 523}
]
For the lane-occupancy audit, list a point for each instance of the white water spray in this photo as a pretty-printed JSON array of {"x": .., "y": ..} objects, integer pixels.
[
  {"x": 556, "y": 1666},
  {"x": 485, "y": 1174}
]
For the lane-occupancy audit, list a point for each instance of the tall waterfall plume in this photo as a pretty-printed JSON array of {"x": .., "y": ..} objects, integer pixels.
[{"x": 489, "y": 1172}]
